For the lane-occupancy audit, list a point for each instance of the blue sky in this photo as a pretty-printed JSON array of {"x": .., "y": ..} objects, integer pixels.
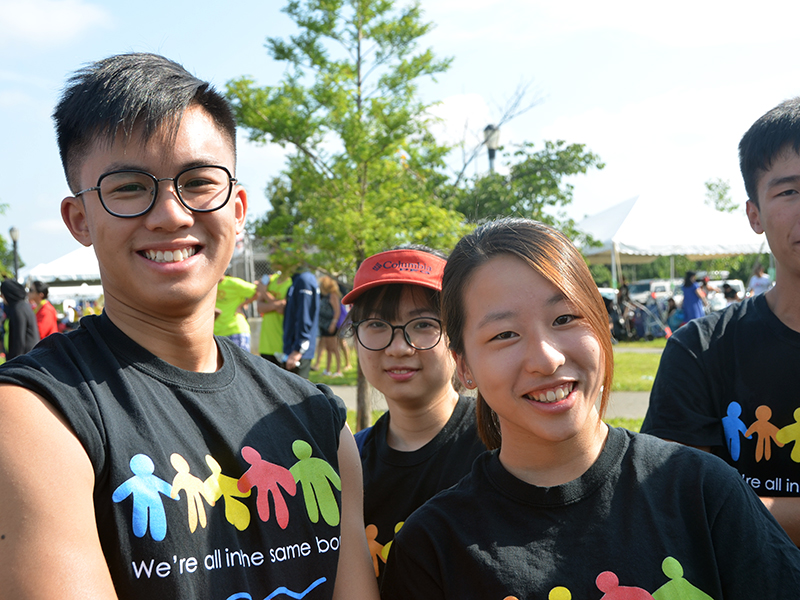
[{"x": 661, "y": 92}]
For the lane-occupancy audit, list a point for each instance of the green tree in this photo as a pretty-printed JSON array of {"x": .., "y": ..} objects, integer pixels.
[
  {"x": 718, "y": 195},
  {"x": 364, "y": 174},
  {"x": 6, "y": 250},
  {"x": 535, "y": 187}
]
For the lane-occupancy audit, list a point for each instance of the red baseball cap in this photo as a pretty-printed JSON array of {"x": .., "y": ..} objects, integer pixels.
[{"x": 414, "y": 267}]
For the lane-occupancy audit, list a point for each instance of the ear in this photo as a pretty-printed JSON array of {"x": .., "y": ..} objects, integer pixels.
[
  {"x": 463, "y": 371},
  {"x": 754, "y": 215},
  {"x": 240, "y": 204},
  {"x": 73, "y": 212}
]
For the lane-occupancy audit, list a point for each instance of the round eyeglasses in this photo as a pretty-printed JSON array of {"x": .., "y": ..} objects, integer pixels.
[
  {"x": 129, "y": 193},
  {"x": 422, "y": 333}
]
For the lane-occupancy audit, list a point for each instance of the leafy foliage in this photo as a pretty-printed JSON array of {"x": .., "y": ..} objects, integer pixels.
[
  {"x": 718, "y": 195},
  {"x": 535, "y": 186},
  {"x": 365, "y": 174}
]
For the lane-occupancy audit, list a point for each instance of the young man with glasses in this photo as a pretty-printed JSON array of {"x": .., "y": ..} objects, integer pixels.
[
  {"x": 428, "y": 439},
  {"x": 140, "y": 457},
  {"x": 727, "y": 382}
]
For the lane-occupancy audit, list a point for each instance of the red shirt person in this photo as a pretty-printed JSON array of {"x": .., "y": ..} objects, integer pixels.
[{"x": 46, "y": 317}]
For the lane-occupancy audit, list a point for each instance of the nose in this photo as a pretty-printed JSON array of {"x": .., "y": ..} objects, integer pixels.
[
  {"x": 168, "y": 213},
  {"x": 543, "y": 356},
  {"x": 399, "y": 346}
]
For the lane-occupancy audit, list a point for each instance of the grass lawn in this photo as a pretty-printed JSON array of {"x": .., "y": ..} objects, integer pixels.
[{"x": 634, "y": 372}]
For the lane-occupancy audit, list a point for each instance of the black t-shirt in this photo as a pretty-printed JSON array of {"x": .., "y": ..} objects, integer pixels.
[
  {"x": 396, "y": 483},
  {"x": 207, "y": 485},
  {"x": 728, "y": 381},
  {"x": 668, "y": 521}
]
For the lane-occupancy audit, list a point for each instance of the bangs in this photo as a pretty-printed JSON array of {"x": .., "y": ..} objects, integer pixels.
[{"x": 383, "y": 301}]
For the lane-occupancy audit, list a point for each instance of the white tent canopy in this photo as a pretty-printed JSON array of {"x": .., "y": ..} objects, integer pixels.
[
  {"x": 79, "y": 265},
  {"x": 643, "y": 228}
]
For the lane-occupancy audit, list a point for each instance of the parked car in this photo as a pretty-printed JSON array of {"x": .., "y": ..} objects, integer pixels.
[{"x": 641, "y": 291}]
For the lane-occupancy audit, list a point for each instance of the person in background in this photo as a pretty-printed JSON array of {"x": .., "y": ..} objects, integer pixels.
[
  {"x": 20, "y": 322},
  {"x": 231, "y": 322},
  {"x": 46, "y": 316},
  {"x": 428, "y": 439},
  {"x": 759, "y": 281},
  {"x": 301, "y": 323},
  {"x": 330, "y": 310},
  {"x": 271, "y": 304},
  {"x": 566, "y": 506},
  {"x": 693, "y": 298},
  {"x": 344, "y": 348},
  {"x": 730, "y": 294},
  {"x": 728, "y": 383}
]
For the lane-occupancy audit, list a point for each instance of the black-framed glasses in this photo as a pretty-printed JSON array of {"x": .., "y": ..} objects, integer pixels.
[
  {"x": 129, "y": 193},
  {"x": 422, "y": 333}
]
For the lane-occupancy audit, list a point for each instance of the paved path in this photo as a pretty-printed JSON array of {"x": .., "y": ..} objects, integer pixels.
[{"x": 632, "y": 405}]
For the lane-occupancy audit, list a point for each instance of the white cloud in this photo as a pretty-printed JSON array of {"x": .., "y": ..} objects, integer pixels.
[{"x": 48, "y": 22}]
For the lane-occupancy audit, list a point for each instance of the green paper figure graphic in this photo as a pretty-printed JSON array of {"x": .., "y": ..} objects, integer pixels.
[{"x": 316, "y": 477}]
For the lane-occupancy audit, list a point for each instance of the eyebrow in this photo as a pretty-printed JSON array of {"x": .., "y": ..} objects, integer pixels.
[
  {"x": 783, "y": 180},
  {"x": 500, "y": 315},
  {"x": 126, "y": 166}
]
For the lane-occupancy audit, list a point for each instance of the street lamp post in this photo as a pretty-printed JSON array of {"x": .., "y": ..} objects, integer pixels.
[
  {"x": 14, "y": 233},
  {"x": 491, "y": 135}
]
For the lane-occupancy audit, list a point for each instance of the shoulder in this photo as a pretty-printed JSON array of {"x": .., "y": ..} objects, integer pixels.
[
  {"x": 288, "y": 386},
  {"x": 675, "y": 465},
  {"x": 717, "y": 326}
]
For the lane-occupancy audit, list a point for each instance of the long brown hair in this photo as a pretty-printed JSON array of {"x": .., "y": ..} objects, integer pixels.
[{"x": 549, "y": 253}]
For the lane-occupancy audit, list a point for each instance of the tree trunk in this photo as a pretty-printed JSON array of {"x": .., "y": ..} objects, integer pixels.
[{"x": 363, "y": 408}]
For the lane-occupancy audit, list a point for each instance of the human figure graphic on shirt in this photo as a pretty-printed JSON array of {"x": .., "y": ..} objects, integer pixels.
[
  {"x": 195, "y": 491},
  {"x": 267, "y": 476},
  {"x": 314, "y": 474},
  {"x": 375, "y": 547},
  {"x": 147, "y": 505},
  {"x": 227, "y": 488},
  {"x": 765, "y": 432},
  {"x": 791, "y": 433},
  {"x": 557, "y": 593},
  {"x": 732, "y": 425},
  {"x": 608, "y": 583},
  {"x": 677, "y": 587}
]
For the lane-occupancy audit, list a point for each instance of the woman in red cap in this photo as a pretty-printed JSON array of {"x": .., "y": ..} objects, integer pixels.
[{"x": 428, "y": 439}]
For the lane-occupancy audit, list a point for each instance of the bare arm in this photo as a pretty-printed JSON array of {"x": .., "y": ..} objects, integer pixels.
[
  {"x": 337, "y": 311},
  {"x": 355, "y": 577},
  {"x": 49, "y": 546}
]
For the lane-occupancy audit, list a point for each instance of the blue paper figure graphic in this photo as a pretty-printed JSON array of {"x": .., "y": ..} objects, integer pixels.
[
  {"x": 147, "y": 505},
  {"x": 733, "y": 426}
]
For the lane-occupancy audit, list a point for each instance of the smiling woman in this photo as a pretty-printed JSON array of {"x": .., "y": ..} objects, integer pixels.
[
  {"x": 427, "y": 440},
  {"x": 566, "y": 506}
]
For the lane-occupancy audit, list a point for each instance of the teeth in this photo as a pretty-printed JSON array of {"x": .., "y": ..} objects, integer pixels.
[
  {"x": 554, "y": 395},
  {"x": 170, "y": 255}
]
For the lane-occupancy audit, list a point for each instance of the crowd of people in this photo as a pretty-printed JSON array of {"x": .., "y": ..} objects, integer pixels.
[{"x": 151, "y": 454}]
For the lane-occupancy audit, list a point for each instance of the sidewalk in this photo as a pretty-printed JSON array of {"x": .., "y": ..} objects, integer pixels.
[{"x": 631, "y": 405}]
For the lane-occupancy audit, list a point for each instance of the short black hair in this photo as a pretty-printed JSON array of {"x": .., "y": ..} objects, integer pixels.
[
  {"x": 40, "y": 287},
  {"x": 121, "y": 92},
  {"x": 773, "y": 133}
]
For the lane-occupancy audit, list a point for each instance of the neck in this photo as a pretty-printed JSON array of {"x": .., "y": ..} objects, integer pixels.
[
  {"x": 546, "y": 464},
  {"x": 782, "y": 300},
  {"x": 185, "y": 341},
  {"x": 411, "y": 426}
]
